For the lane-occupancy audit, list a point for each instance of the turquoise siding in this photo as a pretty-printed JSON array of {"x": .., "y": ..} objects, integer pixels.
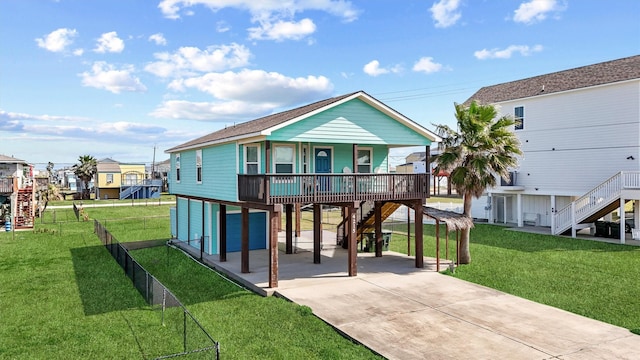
[
  {"x": 174, "y": 222},
  {"x": 182, "y": 215},
  {"x": 354, "y": 120},
  {"x": 212, "y": 230},
  {"x": 219, "y": 173},
  {"x": 195, "y": 215}
]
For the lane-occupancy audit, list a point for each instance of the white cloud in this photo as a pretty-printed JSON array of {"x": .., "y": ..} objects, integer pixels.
[
  {"x": 158, "y": 38},
  {"x": 189, "y": 60},
  {"x": 258, "y": 86},
  {"x": 373, "y": 68},
  {"x": 524, "y": 50},
  {"x": 427, "y": 66},
  {"x": 57, "y": 40},
  {"x": 282, "y": 30},
  {"x": 78, "y": 52},
  {"x": 445, "y": 13},
  {"x": 210, "y": 111},
  {"x": 536, "y": 10},
  {"x": 344, "y": 9},
  {"x": 109, "y": 42},
  {"x": 23, "y": 116},
  {"x": 222, "y": 27},
  {"x": 106, "y": 76},
  {"x": 275, "y": 19}
]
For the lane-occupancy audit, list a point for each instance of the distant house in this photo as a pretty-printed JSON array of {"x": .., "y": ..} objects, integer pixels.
[
  {"x": 231, "y": 185},
  {"x": 580, "y": 135},
  {"x": 416, "y": 163},
  {"x": 116, "y": 180},
  {"x": 17, "y": 192}
]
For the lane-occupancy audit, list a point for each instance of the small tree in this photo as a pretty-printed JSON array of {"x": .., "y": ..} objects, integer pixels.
[
  {"x": 482, "y": 147},
  {"x": 85, "y": 170}
]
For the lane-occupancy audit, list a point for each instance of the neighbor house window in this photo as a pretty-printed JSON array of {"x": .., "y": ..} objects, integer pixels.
[
  {"x": 199, "y": 166},
  {"x": 178, "y": 168},
  {"x": 519, "y": 117},
  {"x": 109, "y": 178},
  {"x": 364, "y": 160},
  {"x": 251, "y": 159},
  {"x": 283, "y": 159}
]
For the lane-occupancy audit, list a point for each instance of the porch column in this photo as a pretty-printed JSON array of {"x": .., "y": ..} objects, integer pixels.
[
  {"x": 273, "y": 246},
  {"x": 427, "y": 165},
  {"x": 636, "y": 215},
  {"x": 317, "y": 232},
  {"x": 553, "y": 213},
  {"x": 298, "y": 220},
  {"x": 289, "y": 229},
  {"x": 418, "y": 234},
  {"x": 519, "y": 207},
  {"x": 378, "y": 227},
  {"x": 267, "y": 169},
  {"x": 352, "y": 239},
  {"x": 355, "y": 159},
  {"x": 244, "y": 241},
  {"x": 223, "y": 232},
  {"x": 491, "y": 207},
  {"x": 622, "y": 221}
]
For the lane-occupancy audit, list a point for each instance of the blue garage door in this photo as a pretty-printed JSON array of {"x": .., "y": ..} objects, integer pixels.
[{"x": 257, "y": 231}]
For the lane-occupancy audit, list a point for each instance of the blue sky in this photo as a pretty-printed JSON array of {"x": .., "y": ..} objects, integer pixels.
[{"x": 116, "y": 78}]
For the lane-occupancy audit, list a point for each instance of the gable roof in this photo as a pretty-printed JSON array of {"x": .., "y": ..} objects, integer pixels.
[
  {"x": 11, "y": 160},
  {"x": 265, "y": 125},
  {"x": 582, "y": 77}
]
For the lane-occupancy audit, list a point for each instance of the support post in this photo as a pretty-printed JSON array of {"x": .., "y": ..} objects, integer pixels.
[
  {"x": 289, "y": 229},
  {"x": 352, "y": 238},
  {"x": 378, "y": 227},
  {"x": 244, "y": 241},
  {"x": 317, "y": 232},
  {"x": 418, "y": 235},
  {"x": 274, "y": 218},
  {"x": 408, "y": 231},
  {"x": 223, "y": 233},
  {"x": 437, "y": 245}
]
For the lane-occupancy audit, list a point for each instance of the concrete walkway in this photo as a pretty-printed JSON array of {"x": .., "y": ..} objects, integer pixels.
[{"x": 402, "y": 312}]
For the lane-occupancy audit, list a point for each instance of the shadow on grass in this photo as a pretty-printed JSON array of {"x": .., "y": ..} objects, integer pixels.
[{"x": 102, "y": 284}]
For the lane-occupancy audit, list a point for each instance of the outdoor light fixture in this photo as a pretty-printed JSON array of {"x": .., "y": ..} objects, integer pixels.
[{"x": 630, "y": 157}]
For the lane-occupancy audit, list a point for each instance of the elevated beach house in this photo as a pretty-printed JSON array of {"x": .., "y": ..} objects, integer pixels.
[
  {"x": 580, "y": 135},
  {"x": 232, "y": 185}
]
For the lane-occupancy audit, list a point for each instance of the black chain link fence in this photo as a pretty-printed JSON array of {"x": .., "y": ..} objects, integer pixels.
[{"x": 190, "y": 337}]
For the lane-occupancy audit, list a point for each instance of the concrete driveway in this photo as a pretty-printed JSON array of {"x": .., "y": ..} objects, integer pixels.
[{"x": 402, "y": 312}]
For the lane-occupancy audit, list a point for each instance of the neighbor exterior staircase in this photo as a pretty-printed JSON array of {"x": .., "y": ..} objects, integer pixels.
[{"x": 596, "y": 203}]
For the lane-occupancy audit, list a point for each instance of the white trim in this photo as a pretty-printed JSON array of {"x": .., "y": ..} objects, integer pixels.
[
  {"x": 177, "y": 167},
  {"x": 245, "y": 147},
  {"x": 208, "y": 219},
  {"x": 273, "y": 157},
  {"x": 314, "y": 156},
  {"x": 370, "y": 148},
  {"x": 199, "y": 154}
]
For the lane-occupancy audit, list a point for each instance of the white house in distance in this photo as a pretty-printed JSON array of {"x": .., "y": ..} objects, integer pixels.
[{"x": 580, "y": 135}]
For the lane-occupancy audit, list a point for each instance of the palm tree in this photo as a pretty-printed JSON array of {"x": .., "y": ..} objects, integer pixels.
[
  {"x": 85, "y": 170},
  {"x": 483, "y": 146}
]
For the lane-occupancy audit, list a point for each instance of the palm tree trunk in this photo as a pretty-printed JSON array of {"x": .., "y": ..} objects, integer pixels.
[{"x": 465, "y": 255}]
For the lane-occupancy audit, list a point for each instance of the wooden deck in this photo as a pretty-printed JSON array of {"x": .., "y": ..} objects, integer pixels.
[{"x": 331, "y": 188}]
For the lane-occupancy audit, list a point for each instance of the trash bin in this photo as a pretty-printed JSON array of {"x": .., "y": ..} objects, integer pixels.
[
  {"x": 615, "y": 230},
  {"x": 371, "y": 241},
  {"x": 602, "y": 228}
]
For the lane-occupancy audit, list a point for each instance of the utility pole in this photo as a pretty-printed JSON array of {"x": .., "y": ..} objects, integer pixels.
[{"x": 153, "y": 164}]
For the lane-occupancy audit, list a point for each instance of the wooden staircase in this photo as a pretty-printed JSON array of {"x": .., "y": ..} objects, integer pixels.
[
  {"x": 24, "y": 212},
  {"x": 366, "y": 222}
]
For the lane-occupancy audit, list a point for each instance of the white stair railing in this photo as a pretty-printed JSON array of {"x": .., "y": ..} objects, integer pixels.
[{"x": 595, "y": 200}]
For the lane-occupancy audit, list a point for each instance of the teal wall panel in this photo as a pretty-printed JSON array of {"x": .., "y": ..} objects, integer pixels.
[
  {"x": 352, "y": 120},
  {"x": 183, "y": 219}
]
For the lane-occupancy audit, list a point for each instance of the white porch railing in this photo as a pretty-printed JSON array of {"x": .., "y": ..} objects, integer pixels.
[{"x": 595, "y": 200}]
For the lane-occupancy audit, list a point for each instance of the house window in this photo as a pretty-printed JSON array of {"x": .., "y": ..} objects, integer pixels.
[
  {"x": 251, "y": 159},
  {"x": 519, "y": 117},
  {"x": 364, "y": 160},
  {"x": 199, "y": 166},
  {"x": 109, "y": 178},
  {"x": 283, "y": 159},
  {"x": 178, "y": 168}
]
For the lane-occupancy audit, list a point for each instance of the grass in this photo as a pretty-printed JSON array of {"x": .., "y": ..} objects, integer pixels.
[{"x": 64, "y": 297}]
